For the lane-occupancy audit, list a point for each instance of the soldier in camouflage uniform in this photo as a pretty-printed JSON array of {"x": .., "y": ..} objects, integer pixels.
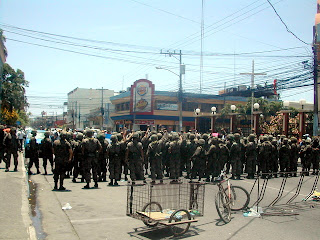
[
  {"x": 78, "y": 159},
  {"x": 113, "y": 153},
  {"x": 174, "y": 151},
  {"x": 224, "y": 154},
  {"x": 12, "y": 146},
  {"x": 184, "y": 154},
  {"x": 47, "y": 152},
  {"x": 295, "y": 149},
  {"x": 284, "y": 157},
  {"x": 228, "y": 143},
  {"x": 122, "y": 155},
  {"x": 306, "y": 155},
  {"x": 102, "y": 158},
  {"x": 191, "y": 149},
  {"x": 213, "y": 160},
  {"x": 199, "y": 161},
  {"x": 166, "y": 155},
  {"x": 70, "y": 164},
  {"x": 145, "y": 140},
  {"x": 135, "y": 158},
  {"x": 235, "y": 157},
  {"x": 32, "y": 152},
  {"x": 275, "y": 158},
  {"x": 265, "y": 157},
  {"x": 154, "y": 157},
  {"x": 63, "y": 155},
  {"x": 91, "y": 149},
  {"x": 251, "y": 156}
]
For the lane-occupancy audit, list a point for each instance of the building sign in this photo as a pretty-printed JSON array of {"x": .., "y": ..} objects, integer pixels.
[
  {"x": 144, "y": 122},
  {"x": 167, "y": 106},
  {"x": 141, "y": 102}
]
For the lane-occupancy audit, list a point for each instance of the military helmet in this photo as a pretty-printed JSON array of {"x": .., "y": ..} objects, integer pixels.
[
  {"x": 294, "y": 140},
  {"x": 236, "y": 136},
  {"x": 265, "y": 138},
  {"x": 170, "y": 137},
  {"x": 46, "y": 134},
  {"x": 205, "y": 136},
  {"x": 175, "y": 136},
  {"x": 308, "y": 141},
  {"x": 159, "y": 135},
  {"x": 215, "y": 140},
  {"x": 63, "y": 135},
  {"x": 201, "y": 142},
  {"x": 79, "y": 136},
  {"x": 230, "y": 137},
  {"x": 192, "y": 136},
  {"x": 251, "y": 137},
  {"x": 274, "y": 141},
  {"x": 135, "y": 135},
  {"x": 154, "y": 137},
  {"x": 285, "y": 140},
  {"x": 69, "y": 135},
  {"x": 114, "y": 138},
  {"x": 119, "y": 136},
  {"x": 270, "y": 138},
  {"x": 89, "y": 133}
]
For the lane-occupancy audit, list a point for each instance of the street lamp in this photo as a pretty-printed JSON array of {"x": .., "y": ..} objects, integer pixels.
[
  {"x": 286, "y": 104},
  {"x": 213, "y": 117},
  {"x": 197, "y": 111},
  {"x": 180, "y": 98},
  {"x": 256, "y": 106},
  {"x": 233, "y": 108}
]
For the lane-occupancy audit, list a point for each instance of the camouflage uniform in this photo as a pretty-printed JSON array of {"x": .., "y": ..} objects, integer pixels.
[
  {"x": 63, "y": 155},
  {"x": 174, "y": 151},
  {"x": 306, "y": 155},
  {"x": 145, "y": 142},
  {"x": 122, "y": 155},
  {"x": 213, "y": 166},
  {"x": 295, "y": 149},
  {"x": 91, "y": 149},
  {"x": 32, "y": 152},
  {"x": 251, "y": 157},
  {"x": 154, "y": 157},
  {"x": 284, "y": 156},
  {"x": 265, "y": 156},
  {"x": 184, "y": 155},
  {"x": 191, "y": 149},
  {"x": 235, "y": 157},
  {"x": 199, "y": 161},
  {"x": 102, "y": 161},
  {"x": 135, "y": 158},
  {"x": 275, "y": 157},
  {"x": 224, "y": 155},
  {"x": 47, "y": 152},
  {"x": 315, "y": 157},
  {"x": 113, "y": 153},
  {"x": 78, "y": 158},
  {"x": 12, "y": 147},
  {"x": 166, "y": 155}
]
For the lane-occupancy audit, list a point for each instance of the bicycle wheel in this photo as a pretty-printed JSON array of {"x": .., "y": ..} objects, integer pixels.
[
  {"x": 178, "y": 216},
  {"x": 151, "y": 207},
  {"x": 240, "y": 198},
  {"x": 223, "y": 207}
]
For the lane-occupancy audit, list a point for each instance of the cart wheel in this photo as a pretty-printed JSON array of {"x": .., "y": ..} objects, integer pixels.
[
  {"x": 223, "y": 207},
  {"x": 177, "y": 216},
  {"x": 151, "y": 207},
  {"x": 240, "y": 198}
]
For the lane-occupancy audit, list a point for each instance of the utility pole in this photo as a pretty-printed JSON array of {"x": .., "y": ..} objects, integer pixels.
[
  {"x": 79, "y": 116},
  {"x": 102, "y": 108},
  {"x": 315, "y": 89},
  {"x": 180, "y": 92},
  {"x": 252, "y": 74}
]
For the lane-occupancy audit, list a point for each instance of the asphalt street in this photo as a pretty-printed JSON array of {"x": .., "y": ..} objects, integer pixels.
[{"x": 101, "y": 213}]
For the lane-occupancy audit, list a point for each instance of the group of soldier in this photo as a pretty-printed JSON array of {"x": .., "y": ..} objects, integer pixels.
[{"x": 162, "y": 154}]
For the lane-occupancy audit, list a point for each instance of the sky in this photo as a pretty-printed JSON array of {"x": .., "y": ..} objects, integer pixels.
[{"x": 61, "y": 45}]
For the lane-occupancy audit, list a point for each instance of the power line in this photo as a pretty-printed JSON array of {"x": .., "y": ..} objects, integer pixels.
[{"x": 288, "y": 30}]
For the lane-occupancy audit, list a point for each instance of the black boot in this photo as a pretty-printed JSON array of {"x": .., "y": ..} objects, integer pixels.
[
  {"x": 62, "y": 188},
  {"x": 74, "y": 180},
  {"x": 45, "y": 172},
  {"x": 15, "y": 169},
  {"x": 111, "y": 182},
  {"x": 95, "y": 184},
  {"x": 38, "y": 171},
  {"x": 55, "y": 186},
  {"x": 125, "y": 178},
  {"x": 116, "y": 183},
  {"x": 87, "y": 186}
]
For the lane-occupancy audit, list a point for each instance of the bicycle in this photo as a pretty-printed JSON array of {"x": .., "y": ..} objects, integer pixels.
[{"x": 231, "y": 198}]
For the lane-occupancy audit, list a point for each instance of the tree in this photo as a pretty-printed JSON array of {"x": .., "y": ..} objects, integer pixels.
[{"x": 13, "y": 96}]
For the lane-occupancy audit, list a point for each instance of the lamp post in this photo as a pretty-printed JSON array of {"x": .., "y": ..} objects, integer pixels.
[
  {"x": 256, "y": 115},
  {"x": 213, "y": 118},
  {"x": 180, "y": 97},
  {"x": 302, "y": 119},
  {"x": 197, "y": 111},
  {"x": 232, "y": 118}
]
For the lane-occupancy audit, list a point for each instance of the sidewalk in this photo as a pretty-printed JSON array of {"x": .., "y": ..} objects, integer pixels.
[{"x": 15, "y": 222}]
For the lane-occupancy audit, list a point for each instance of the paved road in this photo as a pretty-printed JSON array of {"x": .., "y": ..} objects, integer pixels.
[{"x": 101, "y": 214}]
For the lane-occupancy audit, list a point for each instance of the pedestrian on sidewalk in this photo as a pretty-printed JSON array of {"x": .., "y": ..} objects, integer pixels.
[{"x": 12, "y": 147}]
